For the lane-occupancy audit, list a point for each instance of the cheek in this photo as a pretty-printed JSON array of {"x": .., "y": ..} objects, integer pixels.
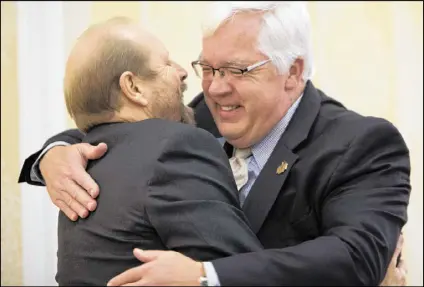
[
  {"x": 209, "y": 101},
  {"x": 258, "y": 102},
  {"x": 205, "y": 86},
  {"x": 170, "y": 76},
  {"x": 210, "y": 104},
  {"x": 250, "y": 95},
  {"x": 174, "y": 79}
]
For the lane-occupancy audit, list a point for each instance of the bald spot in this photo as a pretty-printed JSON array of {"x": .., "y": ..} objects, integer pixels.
[
  {"x": 92, "y": 41},
  {"x": 100, "y": 56}
]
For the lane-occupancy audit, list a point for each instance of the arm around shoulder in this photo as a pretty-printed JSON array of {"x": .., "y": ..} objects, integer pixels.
[
  {"x": 192, "y": 200},
  {"x": 29, "y": 172}
]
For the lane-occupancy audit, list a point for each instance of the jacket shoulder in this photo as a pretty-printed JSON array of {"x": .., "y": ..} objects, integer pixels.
[{"x": 343, "y": 123}]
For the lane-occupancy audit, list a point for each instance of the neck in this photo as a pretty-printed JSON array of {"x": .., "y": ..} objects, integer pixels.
[{"x": 130, "y": 114}]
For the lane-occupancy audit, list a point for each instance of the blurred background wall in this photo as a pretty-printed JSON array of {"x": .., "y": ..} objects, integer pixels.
[{"x": 369, "y": 55}]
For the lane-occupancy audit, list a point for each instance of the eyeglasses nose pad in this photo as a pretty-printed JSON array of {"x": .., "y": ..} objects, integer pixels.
[{"x": 221, "y": 73}]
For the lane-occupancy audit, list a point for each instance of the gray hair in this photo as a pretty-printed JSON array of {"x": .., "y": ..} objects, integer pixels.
[{"x": 285, "y": 34}]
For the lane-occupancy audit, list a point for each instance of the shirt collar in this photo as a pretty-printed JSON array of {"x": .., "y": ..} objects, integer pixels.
[{"x": 262, "y": 150}]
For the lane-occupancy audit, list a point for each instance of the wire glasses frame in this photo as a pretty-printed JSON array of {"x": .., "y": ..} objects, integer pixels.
[{"x": 207, "y": 71}]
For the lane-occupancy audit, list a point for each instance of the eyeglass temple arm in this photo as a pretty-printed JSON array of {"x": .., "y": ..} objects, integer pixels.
[{"x": 257, "y": 65}]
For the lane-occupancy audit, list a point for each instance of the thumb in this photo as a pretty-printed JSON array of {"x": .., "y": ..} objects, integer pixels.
[
  {"x": 399, "y": 245},
  {"x": 92, "y": 152},
  {"x": 398, "y": 250},
  {"x": 146, "y": 256}
]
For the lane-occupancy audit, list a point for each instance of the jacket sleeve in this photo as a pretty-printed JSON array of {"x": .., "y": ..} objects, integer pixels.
[
  {"x": 362, "y": 214},
  {"x": 71, "y": 136},
  {"x": 192, "y": 200}
]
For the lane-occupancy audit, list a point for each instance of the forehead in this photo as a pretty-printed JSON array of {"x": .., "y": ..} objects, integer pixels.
[
  {"x": 149, "y": 40},
  {"x": 234, "y": 41},
  {"x": 151, "y": 44}
]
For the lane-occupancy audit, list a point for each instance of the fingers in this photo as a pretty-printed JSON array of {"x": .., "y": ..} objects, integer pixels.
[
  {"x": 67, "y": 210},
  {"x": 138, "y": 253},
  {"x": 92, "y": 152},
  {"x": 98, "y": 151},
  {"x": 81, "y": 176},
  {"x": 79, "y": 193},
  {"x": 74, "y": 205},
  {"x": 130, "y": 276},
  {"x": 403, "y": 270},
  {"x": 133, "y": 284},
  {"x": 63, "y": 169},
  {"x": 402, "y": 265},
  {"x": 396, "y": 254},
  {"x": 147, "y": 256},
  {"x": 399, "y": 245},
  {"x": 89, "y": 187},
  {"x": 401, "y": 274}
]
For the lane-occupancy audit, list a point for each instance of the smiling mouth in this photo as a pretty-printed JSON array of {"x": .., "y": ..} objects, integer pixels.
[{"x": 228, "y": 108}]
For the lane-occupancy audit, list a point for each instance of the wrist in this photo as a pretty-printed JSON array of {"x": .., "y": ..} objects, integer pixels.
[
  {"x": 203, "y": 280},
  {"x": 42, "y": 162},
  {"x": 201, "y": 268}
]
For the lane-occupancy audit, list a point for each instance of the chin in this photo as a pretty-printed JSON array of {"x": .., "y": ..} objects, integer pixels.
[
  {"x": 239, "y": 142},
  {"x": 226, "y": 128},
  {"x": 234, "y": 137}
]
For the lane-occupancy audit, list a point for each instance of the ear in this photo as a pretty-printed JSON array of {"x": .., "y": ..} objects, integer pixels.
[
  {"x": 295, "y": 74},
  {"x": 132, "y": 89}
]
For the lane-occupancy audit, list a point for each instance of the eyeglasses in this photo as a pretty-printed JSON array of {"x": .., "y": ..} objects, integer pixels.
[{"x": 207, "y": 72}]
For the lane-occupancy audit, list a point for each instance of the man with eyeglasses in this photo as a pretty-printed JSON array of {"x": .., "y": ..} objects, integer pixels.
[{"x": 325, "y": 189}]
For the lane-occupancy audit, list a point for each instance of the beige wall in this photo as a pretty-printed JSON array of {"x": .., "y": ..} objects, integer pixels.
[
  {"x": 368, "y": 56},
  {"x": 11, "y": 263}
]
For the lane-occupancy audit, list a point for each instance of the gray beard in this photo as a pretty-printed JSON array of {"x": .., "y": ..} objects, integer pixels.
[
  {"x": 168, "y": 110},
  {"x": 187, "y": 115}
]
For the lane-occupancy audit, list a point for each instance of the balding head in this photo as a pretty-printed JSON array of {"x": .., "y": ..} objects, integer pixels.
[{"x": 95, "y": 65}]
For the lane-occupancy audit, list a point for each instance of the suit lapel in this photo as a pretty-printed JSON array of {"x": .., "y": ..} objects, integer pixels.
[{"x": 268, "y": 185}]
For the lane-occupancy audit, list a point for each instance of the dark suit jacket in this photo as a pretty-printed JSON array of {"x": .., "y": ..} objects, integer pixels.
[
  {"x": 334, "y": 216},
  {"x": 164, "y": 186}
]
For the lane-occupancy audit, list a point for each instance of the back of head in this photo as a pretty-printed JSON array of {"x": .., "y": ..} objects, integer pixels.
[
  {"x": 101, "y": 54},
  {"x": 285, "y": 34}
]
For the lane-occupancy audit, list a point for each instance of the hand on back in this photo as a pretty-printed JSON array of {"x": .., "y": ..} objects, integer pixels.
[{"x": 69, "y": 186}]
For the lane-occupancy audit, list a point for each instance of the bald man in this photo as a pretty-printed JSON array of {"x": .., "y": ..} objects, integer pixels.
[{"x": 161, "y": 180}]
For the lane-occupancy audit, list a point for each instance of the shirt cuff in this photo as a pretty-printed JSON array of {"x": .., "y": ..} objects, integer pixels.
[
  {"x": 35, "y": 170},
  {"x": 211, "y": 275}
]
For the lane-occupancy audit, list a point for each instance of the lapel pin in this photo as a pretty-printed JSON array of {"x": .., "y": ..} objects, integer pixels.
[{"x": 282, "y": 168}]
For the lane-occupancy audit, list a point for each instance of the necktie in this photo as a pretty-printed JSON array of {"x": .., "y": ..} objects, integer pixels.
[{"x": 238, "y": 164}]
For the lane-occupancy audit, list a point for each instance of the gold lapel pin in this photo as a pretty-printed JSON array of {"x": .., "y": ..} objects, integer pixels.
[{"x": 282, "y": 168}]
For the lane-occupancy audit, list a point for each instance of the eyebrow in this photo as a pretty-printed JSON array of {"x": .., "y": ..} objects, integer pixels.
[
  {"x": 236, "y": 63},
  {"x": 229, "y": 63}
]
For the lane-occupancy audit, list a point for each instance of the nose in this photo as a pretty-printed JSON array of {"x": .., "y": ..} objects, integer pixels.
[
  {"x": 182, "y": 73},
  {"x": 219, "y": 86}
]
